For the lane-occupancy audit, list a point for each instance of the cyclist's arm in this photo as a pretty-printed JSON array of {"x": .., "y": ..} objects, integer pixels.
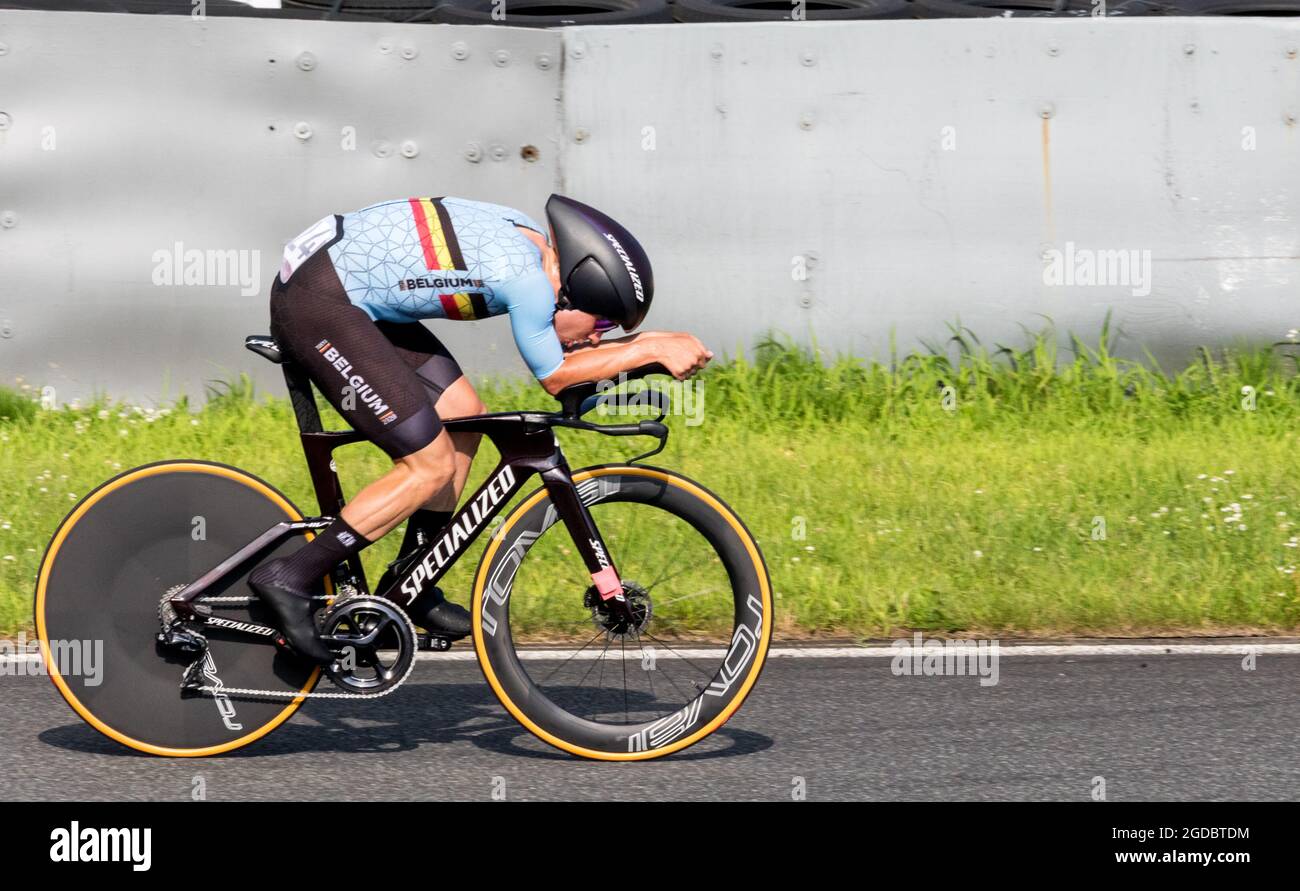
[
  {"x": 601, "y": 362},
  {"x": 530, "y": 301},
  {"x": 682, "y": 354}
]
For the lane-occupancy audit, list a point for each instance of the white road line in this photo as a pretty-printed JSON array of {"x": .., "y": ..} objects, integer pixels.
[
  {"x": 866, "y": 652},
  {"x": 1172, "y": 649},
  {"x": 879, "y": 652}
]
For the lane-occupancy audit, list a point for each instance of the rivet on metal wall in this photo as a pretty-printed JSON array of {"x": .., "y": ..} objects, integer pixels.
[
  {"x": 385, "y": 46},
  {"x": 501, "y": 58},
  {"x": 529, "y": 153},
  {"x": 805, "y": 300},
  {"x": 1189, "y": 49},
  {"x": 408, "y": 52},
  {"x": 544, "y": 61},
  {"x": 716, "y": 53},
  {"x": 6, "y": 328},
  {"x": 806, "y": 121},
  {"x": 302, "y": 130},
  {"x": 8, "y": 219},
  {"x": 580, "y": 135},
  {"x": 5, "y": 121},
  {"x": 1053, "y": 48},
  {"x": 807, "y": 59},
  {"x": 460, "y": 51},
  {"x": 306, "y": 61},
  {"x": 1194, "y": 105},
  {"x": 578, "y": 51},
  {"x": 1290, "y": 52},
  {"x": 4, "y": 49},
  {"x": 473, "y": 153},
  {"x": 1046, "y": 110},
  {"x": 1289, "y": 118},
  {"x": 382, "y": 148},
  {"x": 410, "y": 149},
  {"x": 498, "y": 151}
]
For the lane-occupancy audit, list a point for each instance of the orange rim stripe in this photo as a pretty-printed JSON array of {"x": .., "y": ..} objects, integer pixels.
[{"x": 51, "y": 666}]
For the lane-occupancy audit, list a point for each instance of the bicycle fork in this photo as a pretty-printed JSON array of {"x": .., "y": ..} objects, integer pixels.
[{"x": 586, "y": 537}]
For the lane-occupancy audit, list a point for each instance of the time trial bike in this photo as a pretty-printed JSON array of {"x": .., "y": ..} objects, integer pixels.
[{"x": 620, "y": 611}]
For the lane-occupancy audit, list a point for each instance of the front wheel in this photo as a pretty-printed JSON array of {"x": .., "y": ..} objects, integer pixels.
[{"x": 602, "y": 687}]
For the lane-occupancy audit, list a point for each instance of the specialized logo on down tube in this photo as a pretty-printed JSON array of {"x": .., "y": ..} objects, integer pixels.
[
  {"x": 472, "y": 516},
  {"x": 363, "y": 390}
]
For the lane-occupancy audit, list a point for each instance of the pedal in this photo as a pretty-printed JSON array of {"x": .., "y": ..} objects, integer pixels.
[{"x": 433, "y": 642}]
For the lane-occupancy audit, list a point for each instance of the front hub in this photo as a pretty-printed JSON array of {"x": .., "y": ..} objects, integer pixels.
[{"x": 630, "y": 617}]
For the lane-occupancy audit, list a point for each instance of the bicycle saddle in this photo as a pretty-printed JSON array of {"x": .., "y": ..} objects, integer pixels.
[{"x": 265, "y": 346}]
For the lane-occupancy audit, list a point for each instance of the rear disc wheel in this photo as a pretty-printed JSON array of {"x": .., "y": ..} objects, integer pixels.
[{"x": 97, "y": 601}]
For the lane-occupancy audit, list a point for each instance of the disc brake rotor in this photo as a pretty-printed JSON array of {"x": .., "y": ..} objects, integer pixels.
[{"x": 607, "y": 619}]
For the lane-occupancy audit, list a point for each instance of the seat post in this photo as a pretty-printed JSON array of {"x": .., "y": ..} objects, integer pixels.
[{"x": 300, "y": 394}]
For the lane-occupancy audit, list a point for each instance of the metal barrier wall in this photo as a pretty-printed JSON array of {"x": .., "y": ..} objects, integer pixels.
[
  {"x": 152, "y": 168},
  {"x": 927, "y": 170},
  {"x": 829, "y": 180}
]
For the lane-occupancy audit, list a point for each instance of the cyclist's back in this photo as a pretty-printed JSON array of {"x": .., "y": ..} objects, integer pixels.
[{"x": 450, "y": 258}]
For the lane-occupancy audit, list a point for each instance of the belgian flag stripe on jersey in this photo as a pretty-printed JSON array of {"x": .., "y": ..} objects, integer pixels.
[
  {"x": 433, "y": 234},
  {"x": 464, "y": 306},
  {"x": 449, "y": 234},
  {"x": 442, "y": 252}
]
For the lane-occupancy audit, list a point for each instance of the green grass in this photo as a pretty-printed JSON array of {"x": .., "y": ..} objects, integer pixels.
[{"x": 960, "y": 489}]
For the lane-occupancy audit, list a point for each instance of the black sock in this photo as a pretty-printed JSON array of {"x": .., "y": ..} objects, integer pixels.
[
  {"x": 422, "y": 523},
  {"x": 304, "y": 567}
]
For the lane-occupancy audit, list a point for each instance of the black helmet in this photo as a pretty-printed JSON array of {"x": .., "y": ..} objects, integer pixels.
[{"x": 603, "y": 269}]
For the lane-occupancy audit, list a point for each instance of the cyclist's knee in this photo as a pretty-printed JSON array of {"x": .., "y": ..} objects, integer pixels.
[
  {"x": 432, "y": 467},
  {"x": 460, "y": 400}
]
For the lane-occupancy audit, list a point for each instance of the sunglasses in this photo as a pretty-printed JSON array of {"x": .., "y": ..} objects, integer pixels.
[{"x": 602, "y": 324}]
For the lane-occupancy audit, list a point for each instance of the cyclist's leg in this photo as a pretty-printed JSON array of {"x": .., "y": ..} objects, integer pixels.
[
  {"x": 452, "y": 396},
  {"x": 450, "y": 393},
  {"x": 362, "y": 376},
  {"x": 457, "y": 401}
]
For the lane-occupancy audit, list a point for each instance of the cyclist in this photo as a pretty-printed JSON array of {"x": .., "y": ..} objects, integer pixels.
[{"x": 346, "y": 307}]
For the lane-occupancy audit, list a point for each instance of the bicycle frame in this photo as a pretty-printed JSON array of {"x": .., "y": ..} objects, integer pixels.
[{"x": 527, "y": 444}]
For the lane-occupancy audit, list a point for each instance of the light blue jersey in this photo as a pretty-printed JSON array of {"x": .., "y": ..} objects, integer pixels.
[{"x": 450, "y": 258}]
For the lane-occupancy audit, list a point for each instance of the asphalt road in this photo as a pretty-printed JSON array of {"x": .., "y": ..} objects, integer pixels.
[{"x": 1165, "y": 727}]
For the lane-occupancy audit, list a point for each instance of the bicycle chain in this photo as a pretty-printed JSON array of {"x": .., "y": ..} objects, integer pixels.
[{"x": 287, "y": 694}]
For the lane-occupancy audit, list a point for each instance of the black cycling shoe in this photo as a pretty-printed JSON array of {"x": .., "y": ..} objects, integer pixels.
[
  {"x": 293, "y": 612},
  {"x": 436, "y": 614}
]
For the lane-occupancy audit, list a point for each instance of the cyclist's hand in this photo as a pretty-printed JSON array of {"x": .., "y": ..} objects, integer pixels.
[{"x": 682, "y": 354}]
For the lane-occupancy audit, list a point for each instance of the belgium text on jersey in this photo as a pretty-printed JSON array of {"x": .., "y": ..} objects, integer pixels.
[{"x": 410, "y": 284}]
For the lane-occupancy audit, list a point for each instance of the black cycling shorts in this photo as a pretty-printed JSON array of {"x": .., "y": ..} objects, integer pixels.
[{"x": 384, "y": 378}]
